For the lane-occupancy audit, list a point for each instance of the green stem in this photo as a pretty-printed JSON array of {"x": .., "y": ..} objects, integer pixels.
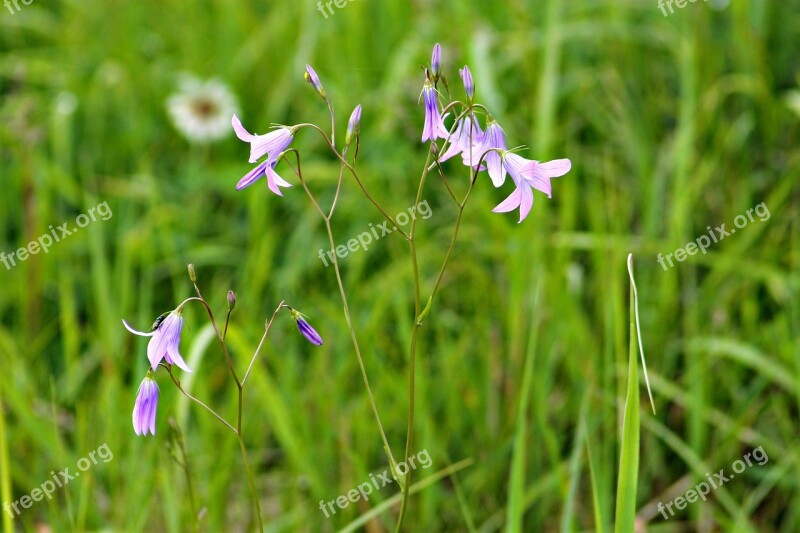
[
  {"x": 342, "y": 293},
  {"x": 418, "y": 318},
  {"x": 198, "y": 402},
  {"x": 251, "y": 480}
]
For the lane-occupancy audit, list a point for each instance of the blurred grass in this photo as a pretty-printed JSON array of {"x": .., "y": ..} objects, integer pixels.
[{"x": 672, "y": 123}]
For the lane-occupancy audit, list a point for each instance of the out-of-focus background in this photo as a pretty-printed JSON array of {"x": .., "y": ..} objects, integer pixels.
[{"x": 673, "y": 123}]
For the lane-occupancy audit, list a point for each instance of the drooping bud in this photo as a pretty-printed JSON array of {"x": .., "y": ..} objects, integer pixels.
[
  {"x": 354, "y": 125},
  {"x": 305, "y": 328},
  {"x": 312, "y": 78}
]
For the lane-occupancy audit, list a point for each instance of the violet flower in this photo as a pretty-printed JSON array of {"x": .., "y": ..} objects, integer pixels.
[
  {"x": 272, "y": 145},
  {"x": 493, "y": 137},
  {"x": 434, "y": 127},
  {"x": 468, "y": 134},
  {"x": 528, "y": 175},
  {"x": 144, "y": 411},
  {"x": 164, "y": 341}
]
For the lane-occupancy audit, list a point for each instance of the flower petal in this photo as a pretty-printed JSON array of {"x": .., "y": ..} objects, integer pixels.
[
  {"x": 135, "y": 332},
  {"x": 242, "y": 133},
  {"x": 252, "y": 176},
  {"x": 526, "y": 201},
  {"x": 274, "y": 181},
  {"x": 510, "y": 203},
  {"x": 555, "y": 168},
  {"x": 175, "y": 355}
]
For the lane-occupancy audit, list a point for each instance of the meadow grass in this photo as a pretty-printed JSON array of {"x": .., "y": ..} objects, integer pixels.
[{"x": 672, "y": 123}]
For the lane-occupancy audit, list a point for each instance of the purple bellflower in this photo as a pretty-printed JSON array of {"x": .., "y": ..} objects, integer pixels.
[
  {"x": 434, "y": 126},
  {"x": 468, "y": 134},
  {"x": 528, "y": 175},
  {"x": 144, "y": 411},
  {"x": 493, "y": 137},
  {"x": 272, "y": 145},
  {"x": 164, "y": 340}
]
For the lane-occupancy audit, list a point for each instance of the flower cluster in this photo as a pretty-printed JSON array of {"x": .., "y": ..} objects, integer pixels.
[
  {"x": 481, "y": 149},
  {"x": 477, "y": 146}
]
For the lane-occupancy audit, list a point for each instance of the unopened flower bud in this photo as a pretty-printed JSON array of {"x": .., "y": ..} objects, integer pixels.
[
  {"x": 192, "y": 274},
  {"x": 354, "y": 125},
  {"x": 469, "y": 85},
  {"x": 436, "y": 61},
  {"x": 231, "y": 300},
  {"x": 312, "y": 78},
  {"x": 305, "y": 328}
]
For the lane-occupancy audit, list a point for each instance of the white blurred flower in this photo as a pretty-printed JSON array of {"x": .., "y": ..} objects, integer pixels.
[{"x": 202, "y": 110}]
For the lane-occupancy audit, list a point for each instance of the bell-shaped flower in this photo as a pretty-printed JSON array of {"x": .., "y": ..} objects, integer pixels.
[
  {"x": 144, "y": 411},
  {"x": 271, "y": 144},
  {"x": 493, "y": 138},
  {"x": 468, "y": 134},
  {"x": 164, "y": 341},
  {"x": 434, "y": 126},
  {"x": 528, "y": 175}
]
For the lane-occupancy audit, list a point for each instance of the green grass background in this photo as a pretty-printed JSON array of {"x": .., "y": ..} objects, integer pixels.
[{"x": 672, "y": 123}]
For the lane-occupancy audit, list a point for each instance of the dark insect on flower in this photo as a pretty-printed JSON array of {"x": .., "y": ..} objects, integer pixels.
[{"x": 159, "y": 320}]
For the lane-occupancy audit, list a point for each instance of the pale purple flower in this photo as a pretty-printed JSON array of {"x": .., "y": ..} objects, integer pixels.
[
  {"x": 528, "y": 175},
  {"x": 354, "y": 124},
  {"x": 493, "y": 137},
  {"x": 434, "y": 126},
  {"x": 164, "y": 341},
  {"x": 436, "y": 60},
  {"x": 467, "y": 134},
  {"x": 312, "y": 78},
  {"x": 469, "y": 85},
  {"x": 144, "y": 411},
  {"x": 271, "y": 145}
]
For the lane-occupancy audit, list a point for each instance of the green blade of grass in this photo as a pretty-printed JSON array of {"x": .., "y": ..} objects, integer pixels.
[{"x": 629, "y": 452}]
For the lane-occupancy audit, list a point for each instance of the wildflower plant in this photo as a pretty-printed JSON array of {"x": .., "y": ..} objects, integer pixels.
[
  {"x": 474, "y": 135},
  {"x": 163, "y": 351}
]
